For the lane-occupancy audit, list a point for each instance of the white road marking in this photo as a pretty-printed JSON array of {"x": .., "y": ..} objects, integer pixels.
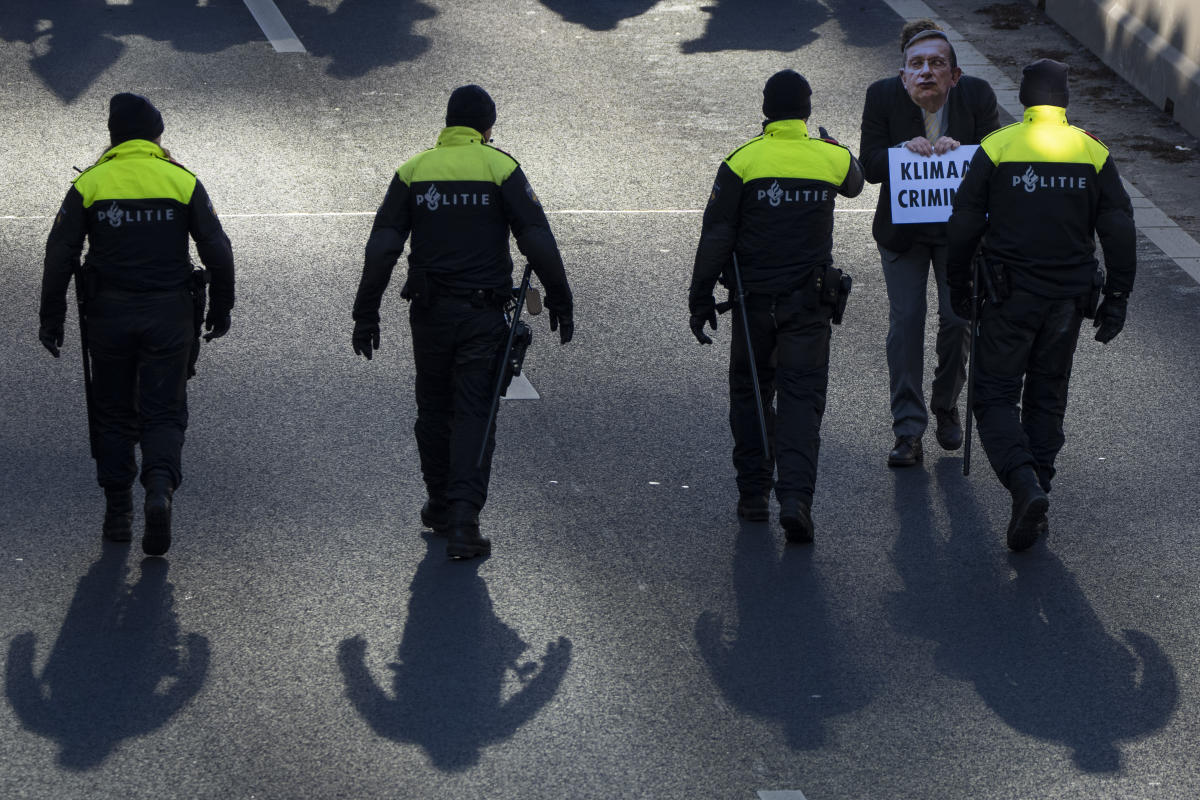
[
  {"x": 278, "y": 32},
  {"x": 521, "y": 389},
  {"x": 785, "y": 794},
  {"x": 598, "y": 211}
]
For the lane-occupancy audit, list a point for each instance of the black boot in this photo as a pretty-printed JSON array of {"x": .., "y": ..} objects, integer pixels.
[
  {"x": 753, "y": 507},
  {"x": 465, "y": 540},
  {"x": 435, "y": 515},
  {"x": 1029, "y": 506},
  {"x": 118, "y": 514},
  {"x": 157, "y": 538},
  {"x": 795, "y": 516}
]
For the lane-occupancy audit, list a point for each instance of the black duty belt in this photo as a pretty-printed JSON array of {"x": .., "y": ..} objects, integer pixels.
[{"x": 479, "y": 298}]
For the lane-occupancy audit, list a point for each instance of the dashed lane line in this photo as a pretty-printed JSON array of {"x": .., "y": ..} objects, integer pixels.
[{"x": 278, "y": 32}]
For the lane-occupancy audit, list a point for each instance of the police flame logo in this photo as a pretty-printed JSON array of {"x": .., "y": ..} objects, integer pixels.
[
  {"x": 114, "y": 215},
  {"x": 775, "y": 194},
  {"x": 1030, "y": 179},
  {"x": 432, "y": 197}
]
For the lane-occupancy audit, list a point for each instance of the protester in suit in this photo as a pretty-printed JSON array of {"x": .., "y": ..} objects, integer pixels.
[{"x": 930, "y": 108}]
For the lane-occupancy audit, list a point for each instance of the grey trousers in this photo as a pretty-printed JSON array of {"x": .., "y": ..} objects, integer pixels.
[{"x": 907, "y": 275}]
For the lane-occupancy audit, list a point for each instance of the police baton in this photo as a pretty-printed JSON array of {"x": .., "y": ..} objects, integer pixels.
[
  {"x": 80, "y": 303},
  {"x": 976, "y": 275},
  {"x": 508, "y": 346},
  {"x": 741, "y": 301}
]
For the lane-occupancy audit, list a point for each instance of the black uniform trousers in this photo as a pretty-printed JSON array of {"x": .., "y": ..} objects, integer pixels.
[
  {"x": 456, "y": 348},
  {"x": 790, "y": 336},
  {"x": 1024, "y": 354},
  {"x": 140, "y": 343}
]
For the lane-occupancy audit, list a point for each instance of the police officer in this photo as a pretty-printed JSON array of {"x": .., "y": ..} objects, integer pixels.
[
  {"x": 136, "y": 207},
  {"x": 1037, "y": 193},
  {"x": 771, "y": 207},
  {"x": 459, "y": 200}
]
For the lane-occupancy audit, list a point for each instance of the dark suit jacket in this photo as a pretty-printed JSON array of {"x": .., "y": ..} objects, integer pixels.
[{"x": 891, "y": 117}]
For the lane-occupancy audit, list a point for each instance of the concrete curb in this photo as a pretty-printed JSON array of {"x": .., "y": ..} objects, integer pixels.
[
  {"x": 1116, "y": 31},
  {"x": 1165, "y": 233}
]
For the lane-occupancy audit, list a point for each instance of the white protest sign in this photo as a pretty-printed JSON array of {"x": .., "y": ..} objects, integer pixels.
[{"x": 923, "y": 187}]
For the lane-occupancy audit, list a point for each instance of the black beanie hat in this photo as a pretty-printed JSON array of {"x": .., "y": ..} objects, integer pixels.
[
  {"x": 471, "y": 107},
  {"x": 1044, "y": 83},
  {"x": 787, "y": 96},
  {"x": 131, "y": 116}
]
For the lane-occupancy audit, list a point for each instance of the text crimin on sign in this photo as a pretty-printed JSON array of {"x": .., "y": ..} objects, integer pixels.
[{"x": 923, "y": 187}]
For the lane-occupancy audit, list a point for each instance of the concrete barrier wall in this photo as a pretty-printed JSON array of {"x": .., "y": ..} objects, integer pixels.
[{"x": 1153, "y": 44}]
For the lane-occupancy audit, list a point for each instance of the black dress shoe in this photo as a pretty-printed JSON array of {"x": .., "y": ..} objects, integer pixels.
[
  {"x": 906, "y": 453},
  {"x": 753, "y": 507},
  {"x": 949, "y": 429},
  {"x": 796, "y": 518}
]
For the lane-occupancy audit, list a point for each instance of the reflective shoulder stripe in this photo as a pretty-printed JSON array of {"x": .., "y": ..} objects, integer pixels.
[
  {"x": 473, "y": 162},
  {"x": 732, "y": 158},
  {"x": 1034, "y": 143},
  {"x": 806, "y": 159},
  {"x": 1099, "y": 150},
  {"x": 992, "y": 143},
  {"x": 135, "y": 179}
]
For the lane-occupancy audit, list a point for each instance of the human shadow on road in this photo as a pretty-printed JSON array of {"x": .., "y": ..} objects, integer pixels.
[
  {"x": 784, "y": 661},
  {"x": 101, "y": 683},
  {"x": 359, "y": 35},
  {"x": 781, "y": 25},
  {"x": 73, "y": 42},
  {"x": 1032, "y": 645},
  {"x": 456, "y": 665},
  {"x": 599, "y": 15}
]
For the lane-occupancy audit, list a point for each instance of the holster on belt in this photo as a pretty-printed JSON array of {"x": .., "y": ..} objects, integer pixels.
[
  {"x": 995, "y": 281},
  {"x": 1089, "y": 302},
  {"x": 198, "y": 288},
  {"x": 833, "y": 287}
]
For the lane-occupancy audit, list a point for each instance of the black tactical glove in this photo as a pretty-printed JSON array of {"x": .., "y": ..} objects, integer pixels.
[
  {"x": 561, "y": 317},
  {"x": 365, "y": 338},
  {"x": 51, "y": 335},
  {"x": 217, "y": 324},
  {"x": 703, "y": 310},
  {"x": 825, "y": 134},
  {"x": 1110, "y": 316},
  {"x": 960, "y": 299}
]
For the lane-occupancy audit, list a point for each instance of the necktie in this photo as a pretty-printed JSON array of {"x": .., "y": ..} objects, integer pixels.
[{"x": 933, "y": 130}]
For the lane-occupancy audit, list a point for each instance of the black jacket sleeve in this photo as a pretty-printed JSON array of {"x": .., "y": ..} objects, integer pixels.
[
  {"x": 1118, "y": 235},
  {"x": 876, "y": 133},
  {"x": 531, "y": 229},
  {"x": 986, "y": 114},
  {"x": 718, "y": 236},
  {"x": 213, "y": 247},
  {"x": 63, "y": 249},
  {"x": 852, "y": 186},
  {"x": 969, "y": 220},
  {"x": 386, "y": 243}
]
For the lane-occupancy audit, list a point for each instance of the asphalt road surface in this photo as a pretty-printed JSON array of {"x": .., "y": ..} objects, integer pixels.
[{"x": 627, "y": 638}]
